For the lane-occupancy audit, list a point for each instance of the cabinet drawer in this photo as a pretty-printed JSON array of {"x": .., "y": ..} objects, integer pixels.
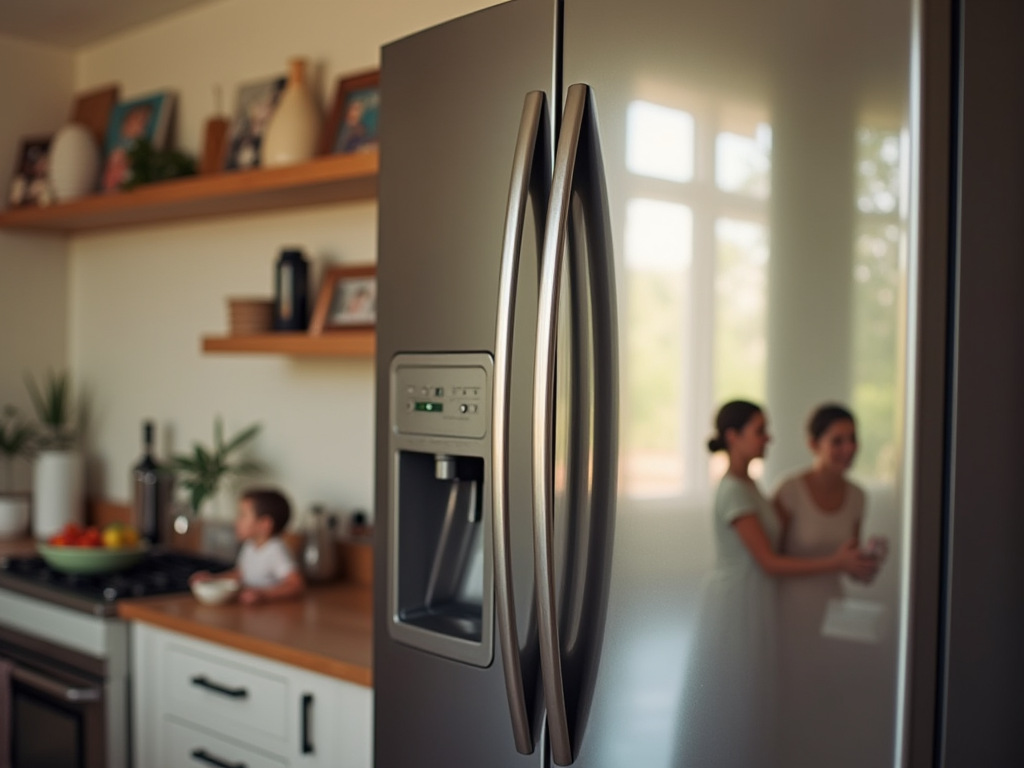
[
  {"x": 220, "y": 691},
  {"x": 188, "y": 747}
]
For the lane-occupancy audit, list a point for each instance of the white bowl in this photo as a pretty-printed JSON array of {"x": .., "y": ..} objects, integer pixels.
[{"x": 215, "y": 591}]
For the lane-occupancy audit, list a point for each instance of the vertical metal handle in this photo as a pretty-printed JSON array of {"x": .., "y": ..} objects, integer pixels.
[
  {"x": 530, "y": 172},
  {"x": 578, "y": 136},
  {"x": 307, "y": 739}
]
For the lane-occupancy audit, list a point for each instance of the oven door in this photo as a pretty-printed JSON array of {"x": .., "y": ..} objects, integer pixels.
[{"x": 57, "y": 712}]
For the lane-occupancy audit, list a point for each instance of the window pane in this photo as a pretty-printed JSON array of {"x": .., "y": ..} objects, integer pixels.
[
  {"x": 659, "y": 238},
  {"x": 743, "y": 163},
  {"x": 659, "y": 141},
  {"x": 877, "y": 295},
  {"x": 741, "y": 291}
]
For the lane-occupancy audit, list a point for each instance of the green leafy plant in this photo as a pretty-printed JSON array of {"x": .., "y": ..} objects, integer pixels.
[
  {"x": 149, "y": 164},
  {"x": 52, "y": 404},
  {"x": 15, "y": 440},
  {"x": 201, "y": 471}
]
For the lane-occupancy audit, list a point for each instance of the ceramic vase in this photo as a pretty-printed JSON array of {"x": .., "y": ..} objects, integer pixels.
[
  {"x": 74, "y": 163},
  {"x": 58, "y": 492},
  {"x": 294, "y": 129}
]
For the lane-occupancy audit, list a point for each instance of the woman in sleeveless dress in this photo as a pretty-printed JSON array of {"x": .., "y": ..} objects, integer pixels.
[
  {"x": 821, "y": 677},
  {"x": 730, "y": 693}
]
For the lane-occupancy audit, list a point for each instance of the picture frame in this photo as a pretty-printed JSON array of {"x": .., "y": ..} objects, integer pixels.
[
  {"x": 353, "y": 125},
  {"x": 30, "y": 184},
  {"x": 146, "y": 117},
  {"x": 347, "y": 300},
  {"x": 255, "y": 103}
]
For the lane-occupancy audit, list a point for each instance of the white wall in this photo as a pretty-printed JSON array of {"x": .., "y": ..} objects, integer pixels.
[
  {"x": 142, "y": 298},
  {"x": 36, "y": 83}
]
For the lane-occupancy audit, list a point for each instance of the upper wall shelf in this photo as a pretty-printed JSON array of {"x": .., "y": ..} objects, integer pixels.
[{"x": 328, "y": 179}]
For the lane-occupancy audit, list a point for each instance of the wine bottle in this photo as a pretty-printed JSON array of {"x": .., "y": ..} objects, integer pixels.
[{"x": 152, "y": 490}]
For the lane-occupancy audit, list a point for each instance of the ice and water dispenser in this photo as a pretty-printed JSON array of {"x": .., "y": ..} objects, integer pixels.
[{"x": 440, "y": 592}]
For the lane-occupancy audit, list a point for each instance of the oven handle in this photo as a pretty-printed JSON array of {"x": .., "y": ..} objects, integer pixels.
[{"x": 56, "y": 688}]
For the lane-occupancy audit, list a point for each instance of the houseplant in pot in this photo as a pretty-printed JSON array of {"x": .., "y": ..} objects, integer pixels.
[
  {"x": 201, "y": 471},
  {"x": 15, "y": 441},
  {"x": 58, "y": 481}
]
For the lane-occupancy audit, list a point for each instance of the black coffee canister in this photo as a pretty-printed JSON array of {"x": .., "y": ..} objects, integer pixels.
[{"x": 291, "y": 291}]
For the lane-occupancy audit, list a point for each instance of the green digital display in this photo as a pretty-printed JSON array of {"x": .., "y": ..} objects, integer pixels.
[{"x": 429, "y": 407}]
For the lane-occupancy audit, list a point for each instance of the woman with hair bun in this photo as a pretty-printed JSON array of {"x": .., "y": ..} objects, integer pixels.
[
  {"x": 728, "y": 713},
  {"x": 819, "y": 509}
]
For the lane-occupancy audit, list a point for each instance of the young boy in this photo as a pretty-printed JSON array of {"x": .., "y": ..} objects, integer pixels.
[{"x": 264, "y": 567}]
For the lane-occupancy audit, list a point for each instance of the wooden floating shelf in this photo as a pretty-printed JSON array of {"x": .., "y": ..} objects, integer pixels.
[
  {"x": 360, "y": 342},
  {"x": 328, "y": 179}
]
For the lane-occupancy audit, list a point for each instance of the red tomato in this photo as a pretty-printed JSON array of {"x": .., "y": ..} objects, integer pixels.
[{"x": 91, "y": 538}]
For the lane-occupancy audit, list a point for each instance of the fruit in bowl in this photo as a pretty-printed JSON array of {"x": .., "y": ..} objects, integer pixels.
[
  {"x": 90, "y": 550},
  {"x": 113, "y": 536},
  {"x": 215, "y": 591}
]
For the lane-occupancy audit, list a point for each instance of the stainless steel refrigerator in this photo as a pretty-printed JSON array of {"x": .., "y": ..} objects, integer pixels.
[{"x": 600, "y": 220}]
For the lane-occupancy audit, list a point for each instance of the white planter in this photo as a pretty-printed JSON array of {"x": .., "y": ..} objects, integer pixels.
[
  {"x": 58, "y": 492},
  {"x": 74, "y": 162},
  {"x": 13, "y": 515}
]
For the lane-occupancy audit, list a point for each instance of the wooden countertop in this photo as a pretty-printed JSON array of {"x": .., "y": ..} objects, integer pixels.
[{"x": 329, "y": 630}]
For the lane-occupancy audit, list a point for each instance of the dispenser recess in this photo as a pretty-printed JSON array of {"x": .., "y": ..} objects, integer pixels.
[{"x": 440, "y": 593}]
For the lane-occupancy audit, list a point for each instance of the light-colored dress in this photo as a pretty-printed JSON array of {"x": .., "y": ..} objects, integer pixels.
[
  {"x": 822, "y": 679},
  {"x": 728, "y": 703}
]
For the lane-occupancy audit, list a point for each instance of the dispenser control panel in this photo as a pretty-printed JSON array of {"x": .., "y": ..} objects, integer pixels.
[{"x": 436, "y": 395}]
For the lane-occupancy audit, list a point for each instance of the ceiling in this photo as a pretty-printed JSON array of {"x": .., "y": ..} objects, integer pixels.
[{"x": 76, "y": 23}]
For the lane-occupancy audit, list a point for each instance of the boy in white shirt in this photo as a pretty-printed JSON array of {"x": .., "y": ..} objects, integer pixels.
[{"x": 264, "y": 567}]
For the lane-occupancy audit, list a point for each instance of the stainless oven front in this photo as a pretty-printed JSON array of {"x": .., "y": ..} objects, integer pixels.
[{"x": 57, "y": 704}]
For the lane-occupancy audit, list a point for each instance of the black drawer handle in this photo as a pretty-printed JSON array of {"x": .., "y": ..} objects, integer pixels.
[
  {"x": 307, "y": 706},
  {"x": 234, "y": 693},
  {"x": 205, "y": 757}
]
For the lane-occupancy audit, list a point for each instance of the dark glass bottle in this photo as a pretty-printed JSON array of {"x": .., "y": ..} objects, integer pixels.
[
  {"x": 152, "y": 485},
  {"x": 291, "y": 291}
]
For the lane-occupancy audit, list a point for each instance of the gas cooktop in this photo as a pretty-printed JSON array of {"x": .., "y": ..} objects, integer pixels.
[{"x": 161, "y": 573}]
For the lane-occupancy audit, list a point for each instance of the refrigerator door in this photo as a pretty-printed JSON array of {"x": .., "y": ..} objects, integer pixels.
[
  {"x": 758, "y": 162},
  {"x": 452, "y": 105}
]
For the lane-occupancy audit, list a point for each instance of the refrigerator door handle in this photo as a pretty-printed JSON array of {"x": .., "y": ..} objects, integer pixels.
[
  {"x": 531, "y": 171},
  {"x": 578, "y": 154}
]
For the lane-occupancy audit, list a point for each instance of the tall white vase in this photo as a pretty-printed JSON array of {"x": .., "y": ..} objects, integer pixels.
[
  {"x": 58, "y": 490},
  {"x": 74, "y": 163},
  {"x": 294, "y": 129}
]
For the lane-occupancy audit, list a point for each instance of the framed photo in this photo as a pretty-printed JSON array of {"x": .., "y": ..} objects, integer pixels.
[
  {"x": 347, "y": 299},
  {"x": 253, "y": 109},
  {"x": 353, "y": 123},
  {"x": 30, "y": 184},
  {"x": 147, "y": 117}
]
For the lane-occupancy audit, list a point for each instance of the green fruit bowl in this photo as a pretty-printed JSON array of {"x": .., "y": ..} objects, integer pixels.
[{"x": 87, "y": 560}]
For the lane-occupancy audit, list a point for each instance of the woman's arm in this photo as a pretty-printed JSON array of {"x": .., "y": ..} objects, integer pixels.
[{"x": 846, "y": 559}]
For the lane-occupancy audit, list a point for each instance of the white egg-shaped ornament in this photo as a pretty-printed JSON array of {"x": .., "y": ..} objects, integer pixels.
[{"x": 74, "y": 165}]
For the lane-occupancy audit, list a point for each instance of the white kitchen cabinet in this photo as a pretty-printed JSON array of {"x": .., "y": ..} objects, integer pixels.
[{"x": 197, "y": 703}]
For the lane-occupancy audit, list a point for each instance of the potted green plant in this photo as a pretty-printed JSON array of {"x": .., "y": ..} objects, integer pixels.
[
  {"x": 15, "y": 442},
  {"x": 58, "y": 485},
  {"x": 201, "y": 471}
]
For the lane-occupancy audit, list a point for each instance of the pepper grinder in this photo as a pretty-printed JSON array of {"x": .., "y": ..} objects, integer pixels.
[{"x": 291, "y": 291}]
